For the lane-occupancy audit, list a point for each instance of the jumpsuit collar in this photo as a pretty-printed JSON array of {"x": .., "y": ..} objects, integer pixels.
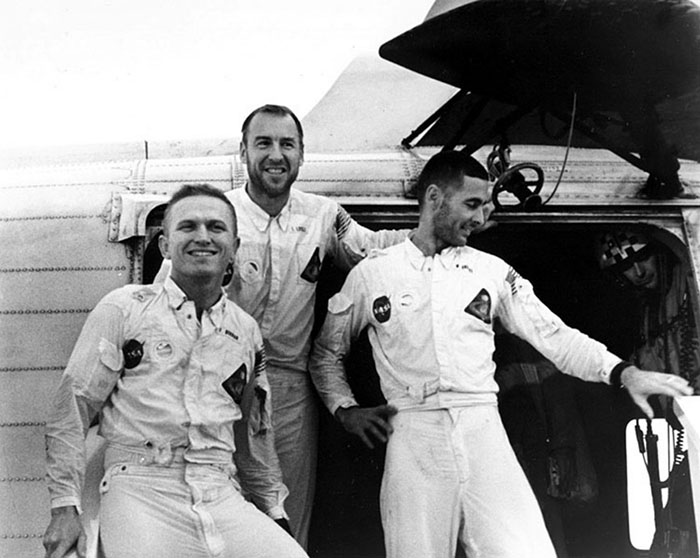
[
  {"x": 177, "y": 299},
  {"x": 260, "y": 218},
  {"x": 418, "y": 260}
]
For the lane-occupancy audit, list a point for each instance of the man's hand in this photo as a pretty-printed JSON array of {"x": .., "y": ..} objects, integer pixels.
[
  {"x": 64, "y": 531},
  {"x": 369, "y": 423},
  {"x": 641, "y": 384}
]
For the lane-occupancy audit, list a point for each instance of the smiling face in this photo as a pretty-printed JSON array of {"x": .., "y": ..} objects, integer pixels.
[
  {"x": 200, "y": 239},
  {"x": 460, "y": 211},
  {"x": 273, "y": 153}
]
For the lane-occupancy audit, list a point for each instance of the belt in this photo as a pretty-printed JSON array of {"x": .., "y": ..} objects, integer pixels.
[{"x": 164, "y": 455}]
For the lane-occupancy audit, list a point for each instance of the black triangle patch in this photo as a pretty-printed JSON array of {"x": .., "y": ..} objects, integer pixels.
[
  {"x": 313, "y": 268},
  {"x": 236, "y": 382},
  {"x": 480, "y": 307}
]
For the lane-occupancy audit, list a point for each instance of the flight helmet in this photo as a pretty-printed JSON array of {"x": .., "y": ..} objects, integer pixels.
[{"x": 618, "y": 250}]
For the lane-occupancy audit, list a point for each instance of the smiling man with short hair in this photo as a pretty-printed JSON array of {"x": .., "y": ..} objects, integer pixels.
[
  {"x": 177, "y": 373},
  {"x": 286, "y": 234}
]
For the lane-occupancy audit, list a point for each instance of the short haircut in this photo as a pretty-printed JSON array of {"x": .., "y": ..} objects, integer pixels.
[
  {"x": 446, "y": 169},
  {"x": 190, "y": 190},
  {"x": 277, "y": 110}
]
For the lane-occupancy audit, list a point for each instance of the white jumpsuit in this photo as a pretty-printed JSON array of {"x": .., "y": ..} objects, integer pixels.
[
  {"x": 450, "y": 474},
  {"x": 185, "y": 412},
  {"x": 275, "y": 275}
]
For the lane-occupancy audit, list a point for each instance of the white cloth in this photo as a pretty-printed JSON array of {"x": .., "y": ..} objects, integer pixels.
[
  {"x": 430, "y": 325},
  {"x": 450, "y": 473},
  {"x": 295, "y": 422},
  {"x": 156, "y": 375},
  {"x": 275, "y": 274},
  {"x": 183, "y": 510},
  {"x": 279, "y": 260}
]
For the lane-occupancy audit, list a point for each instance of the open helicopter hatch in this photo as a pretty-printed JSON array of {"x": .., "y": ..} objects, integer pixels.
[{"x": 622, "y": 74}]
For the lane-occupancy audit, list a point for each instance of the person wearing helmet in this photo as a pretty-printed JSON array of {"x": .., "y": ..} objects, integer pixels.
[
  {"x": 631, "y": 256},
  {"x": 667, "y": 340}
]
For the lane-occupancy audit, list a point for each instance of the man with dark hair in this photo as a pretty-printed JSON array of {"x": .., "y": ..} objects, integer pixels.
[
  {"x": 429, "y": 304},
  {"x": 446, "y": 169},
  {"x": 285, "y": 236},
  {"x": 177, "y": 374},
  {"x": 275, "y": 110}
]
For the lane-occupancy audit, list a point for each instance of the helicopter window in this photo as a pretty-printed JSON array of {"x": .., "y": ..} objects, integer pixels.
[{"x": 152, "y": 258}]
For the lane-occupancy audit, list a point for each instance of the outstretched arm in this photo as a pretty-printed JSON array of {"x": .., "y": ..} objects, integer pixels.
[{"x": 642, "y": 383}]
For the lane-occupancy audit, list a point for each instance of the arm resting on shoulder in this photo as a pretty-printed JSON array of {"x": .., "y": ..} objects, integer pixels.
[{"x": 353, "y": 242}]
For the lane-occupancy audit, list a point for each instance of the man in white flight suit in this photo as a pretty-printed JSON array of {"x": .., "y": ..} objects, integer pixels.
[
  {"x": 177, "y": 373},
  {"x": 285, "y": 236},
  {"x": 451, "y": 476}
]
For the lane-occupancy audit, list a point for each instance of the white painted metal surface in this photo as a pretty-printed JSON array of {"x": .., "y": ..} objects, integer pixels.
[{"x": 71, "y": 233}]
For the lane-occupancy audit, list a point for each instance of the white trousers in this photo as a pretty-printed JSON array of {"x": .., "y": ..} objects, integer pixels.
[
  {"x": 295, "y": 422},
  {"x": 451, "y": 476},
  {"x": 184, "y": 511}
]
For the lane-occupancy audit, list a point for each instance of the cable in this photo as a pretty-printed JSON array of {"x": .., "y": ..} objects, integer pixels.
[{"x": 568, "y": 148}]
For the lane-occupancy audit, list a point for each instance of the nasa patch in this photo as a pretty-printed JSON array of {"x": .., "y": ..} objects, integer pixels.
[
  {"x": 381, "y": 308},
  {"x": 480, "y": 306},
  {"x": 235, "y": 383},
  {"x": 313, "y": 268},
  {"x": 133, "y": 353}
]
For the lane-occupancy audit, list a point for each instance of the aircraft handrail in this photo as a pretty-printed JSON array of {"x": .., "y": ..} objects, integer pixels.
[{"x": 688, "y": 412}]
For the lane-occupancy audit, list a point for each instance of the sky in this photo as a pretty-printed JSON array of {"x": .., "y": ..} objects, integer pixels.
[{"x": 102, "y": 71}]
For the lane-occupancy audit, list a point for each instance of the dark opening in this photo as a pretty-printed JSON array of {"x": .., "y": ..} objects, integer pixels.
[{"x": 559, "y": 260}]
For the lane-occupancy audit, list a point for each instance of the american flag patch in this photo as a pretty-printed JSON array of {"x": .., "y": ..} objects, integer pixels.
[
  {"x": 511, "y": 278},
  {"x": 342, "y": 222},
  {"x": 260, "y": 362}
]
